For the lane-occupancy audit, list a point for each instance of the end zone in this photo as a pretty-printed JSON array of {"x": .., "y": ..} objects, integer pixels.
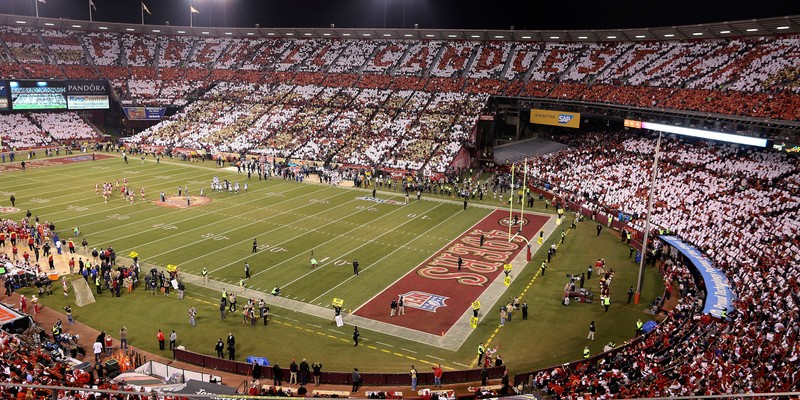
[{"x": 437, "y": 293}]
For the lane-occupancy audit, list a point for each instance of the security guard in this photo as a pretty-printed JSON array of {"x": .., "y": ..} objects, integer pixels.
[
  {"x": 544, "y": 267},
  {"x": 57, "y": 330},
  {"x": 606, "y": 302},
  {"x": 639, "y": 326},
  {"x": 586, "y": 352},
  {"x": 724, "y": 314},
  {"x": 481, "y": 352}
]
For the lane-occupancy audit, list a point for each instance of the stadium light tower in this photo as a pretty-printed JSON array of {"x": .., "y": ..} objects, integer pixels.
[{"x": 653, "y": 178}]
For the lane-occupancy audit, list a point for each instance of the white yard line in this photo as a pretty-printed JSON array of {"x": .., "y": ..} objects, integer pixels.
[
  {"x": 160, "y": 217},
  {"x": 349, "y": 252},
  {"x": 308, "y": 217},
  {"x": 383, "y": 258},
  {"x": 79, "y": 202}
]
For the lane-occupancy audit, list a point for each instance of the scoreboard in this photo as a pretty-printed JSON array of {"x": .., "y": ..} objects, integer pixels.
[{"x": 54, "y": 95}]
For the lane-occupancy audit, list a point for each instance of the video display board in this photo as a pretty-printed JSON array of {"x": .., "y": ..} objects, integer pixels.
[
  {"x": 38, "y": 95},
  {"x": 27, "y": 95}
]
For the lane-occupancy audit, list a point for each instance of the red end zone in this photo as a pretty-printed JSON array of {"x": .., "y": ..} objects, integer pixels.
[{"x": 435, "y": 293}]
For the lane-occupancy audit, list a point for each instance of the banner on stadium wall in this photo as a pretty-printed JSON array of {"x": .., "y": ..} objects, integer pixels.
[
  {"x": 719, "y": 294},
  {"x": 555, "y": 118},
  {"x": 95, "y": 87},
  {"x": 145, "y": 113}
]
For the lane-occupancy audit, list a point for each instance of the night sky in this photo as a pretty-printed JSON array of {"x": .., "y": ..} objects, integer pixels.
[{"x": 455, "y": 14}]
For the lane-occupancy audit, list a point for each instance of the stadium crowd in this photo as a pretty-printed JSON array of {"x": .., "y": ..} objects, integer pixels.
[
  {"x": 400, "y": 104},
  {"x": 753, "y": 77},
  {"x": 739, "y": 206}
]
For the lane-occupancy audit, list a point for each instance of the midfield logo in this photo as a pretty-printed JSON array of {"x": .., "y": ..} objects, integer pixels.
[{"x": 424, "y": 301}]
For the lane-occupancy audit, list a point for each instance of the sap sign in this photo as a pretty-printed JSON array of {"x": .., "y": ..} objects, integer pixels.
[{"x": 556, "y": 118}]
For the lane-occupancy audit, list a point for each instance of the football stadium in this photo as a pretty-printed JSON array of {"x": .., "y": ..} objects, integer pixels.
[{"x": 217, "y": 208}]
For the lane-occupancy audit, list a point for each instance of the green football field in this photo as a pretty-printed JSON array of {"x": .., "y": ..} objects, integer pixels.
[{"x": 289, "y": 221}]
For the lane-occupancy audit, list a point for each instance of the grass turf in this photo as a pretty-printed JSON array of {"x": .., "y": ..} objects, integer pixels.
[{"x": 290, "y": 220}]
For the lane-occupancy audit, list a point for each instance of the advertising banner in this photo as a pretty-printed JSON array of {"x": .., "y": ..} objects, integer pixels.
[
  {"x": 87, "y": 102},
  {"x": 719, "y": 294},
  {"x": 94, "y": 87},
  {"x": 555, "y": 118},
  {"x": 145, "y": 113}
]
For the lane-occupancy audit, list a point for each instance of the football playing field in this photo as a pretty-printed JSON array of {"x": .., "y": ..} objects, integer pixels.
[{"x": 401, "y": 249}]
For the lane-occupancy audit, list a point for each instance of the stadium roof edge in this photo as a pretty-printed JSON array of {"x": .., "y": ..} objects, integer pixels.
[{"x": 756, "y": 27}]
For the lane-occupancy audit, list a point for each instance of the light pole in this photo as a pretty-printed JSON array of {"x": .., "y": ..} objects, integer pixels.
[{"x": 654, "y": 176}]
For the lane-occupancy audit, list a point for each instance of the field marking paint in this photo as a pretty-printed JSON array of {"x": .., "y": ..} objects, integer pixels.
[
  {"x": 345, "y": 254},
  {"x": 81, "y": 199},
  {"x": 159, "y": 217},
  {"x": 386, "y": 256},
  {"x": 434, "y": 357},
  {"x": 171, "y": 213},
  {"x": 441, "y": 249},
  {"x": 279, "y": 243},
  {"x": 192, "y": 218},
  {"x": 385, "y": 344},
  {"x": 337, "y": 236},
  {"x": 497, "y": 330},
  {"x": 125, "y": 205}
]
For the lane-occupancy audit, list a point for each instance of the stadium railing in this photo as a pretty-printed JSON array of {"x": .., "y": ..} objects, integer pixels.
[{"x": 336, "y": 378}]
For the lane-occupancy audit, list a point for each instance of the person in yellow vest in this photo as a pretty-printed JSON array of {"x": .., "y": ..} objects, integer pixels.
[
  {"x": 586, "y": 352},
  {"x": 481, "y": 352},
  {"x": 639, "y": 326},
  {"x": 606, "y": 302}
]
